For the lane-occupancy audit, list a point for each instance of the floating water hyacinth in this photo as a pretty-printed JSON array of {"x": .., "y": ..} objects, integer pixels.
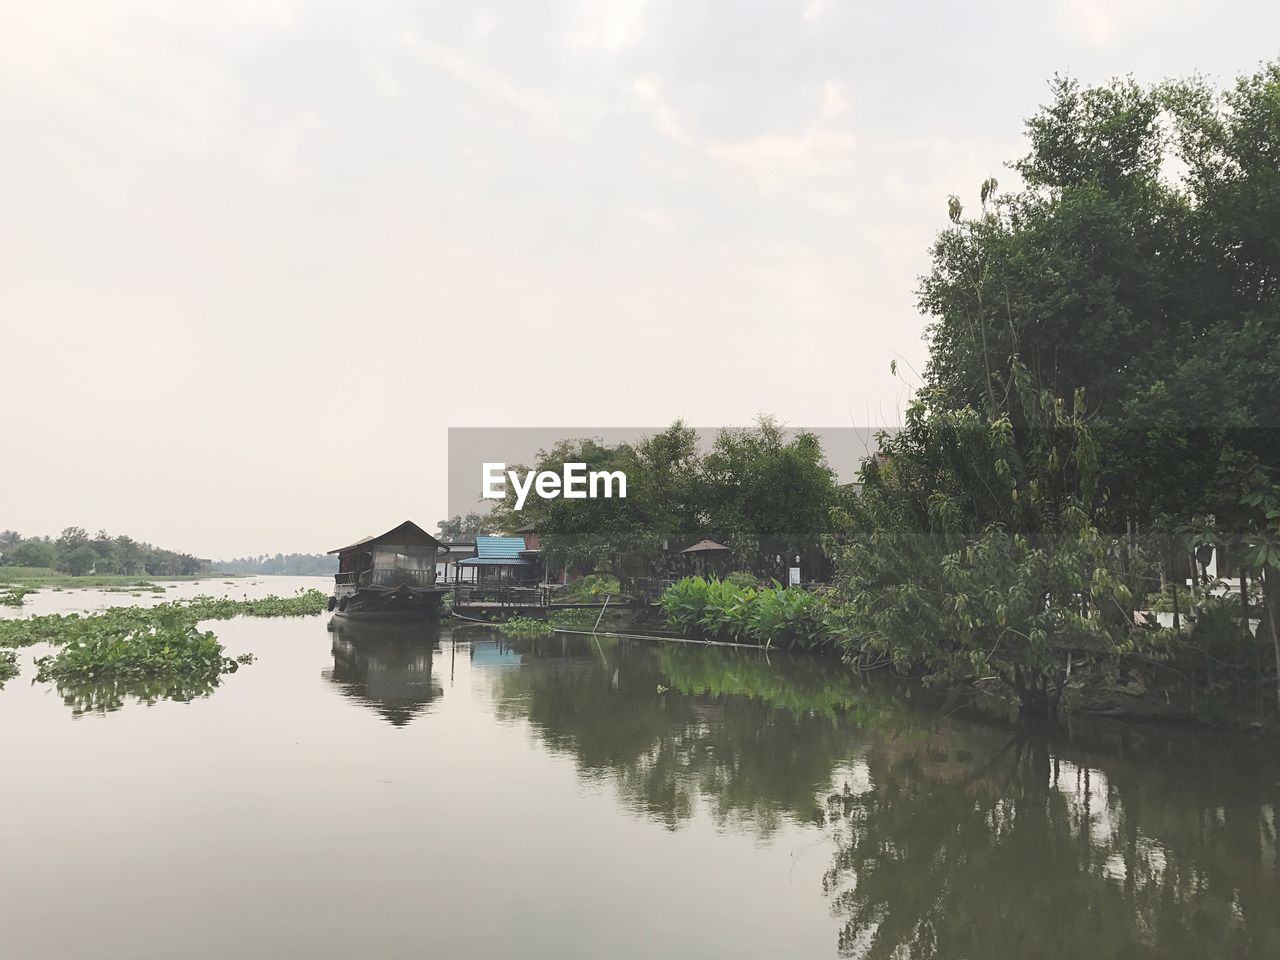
[
  {"x": 14, "y": 596},
  {"x": 152, "y": 652}
]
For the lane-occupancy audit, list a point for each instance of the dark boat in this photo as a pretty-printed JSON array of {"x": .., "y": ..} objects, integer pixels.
[{"x": 389, "y": 577}]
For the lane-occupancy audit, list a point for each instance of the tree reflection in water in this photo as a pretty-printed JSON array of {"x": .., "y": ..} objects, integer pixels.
[
  {"x": 980, "y": 843},
  {"x": 954, "y": 838},
  {"x": 673, "y": 727},
  {"x": 385, "y": 666},
  {"x": 104, "y": 695}
]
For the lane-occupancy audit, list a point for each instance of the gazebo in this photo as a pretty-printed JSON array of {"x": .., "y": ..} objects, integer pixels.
[{"x": 706, "y": 554}]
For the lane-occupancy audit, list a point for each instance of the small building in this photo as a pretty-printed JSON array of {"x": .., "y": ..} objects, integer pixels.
[
  {"x": 500, "y": 560},
  {"x": 391, "y": 575}
]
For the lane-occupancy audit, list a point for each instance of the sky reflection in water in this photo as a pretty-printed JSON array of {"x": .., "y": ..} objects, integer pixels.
[{"x": 390, "y": 792}]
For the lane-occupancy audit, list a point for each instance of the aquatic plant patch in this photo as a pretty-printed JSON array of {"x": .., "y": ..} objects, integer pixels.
[
  {"x": 574, "y": 617},
  {"x": 59, "y": 628},
  {"x": 146, "y": 651},
  {"x": 8, "y": 666},
  {"x": 525, "y": 627},
  {"x": 305, "y": 604},
  {"x": 14, "y": 596},
  {"x": 121, "y": 651}
]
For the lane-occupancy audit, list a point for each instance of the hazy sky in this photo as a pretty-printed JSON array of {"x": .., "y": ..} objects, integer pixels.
[{"x": 256, "y": 257}]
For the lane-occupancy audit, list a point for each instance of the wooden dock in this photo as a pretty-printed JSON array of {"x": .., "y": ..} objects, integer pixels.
[{"x": 535, "y": 602}]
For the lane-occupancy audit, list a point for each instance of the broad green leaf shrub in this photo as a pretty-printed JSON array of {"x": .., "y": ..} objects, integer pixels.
[{"x": 787, "y": 617}]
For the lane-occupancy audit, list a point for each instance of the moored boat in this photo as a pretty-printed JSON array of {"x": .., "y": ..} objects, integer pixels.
[{"x": 389, "y": 577}]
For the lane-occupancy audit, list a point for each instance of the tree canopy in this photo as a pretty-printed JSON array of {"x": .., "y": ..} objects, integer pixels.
[
  {"x": 1135, "y": 269},
  {"x": 760, "y": 490},
  {"x": 1140, "y": 261}
]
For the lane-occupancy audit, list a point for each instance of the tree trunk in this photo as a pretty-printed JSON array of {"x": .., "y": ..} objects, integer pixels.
[{"x": 1036, "y": 704}]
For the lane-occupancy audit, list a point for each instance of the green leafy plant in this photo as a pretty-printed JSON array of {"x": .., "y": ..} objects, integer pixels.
[
  {"x": 684, "y": 602},
  {"x": 793, "y": 618},
  {"x": 525, "y": 627},
  {"x": 778, "y": 617},
  {"x": 730, "y": 610}
]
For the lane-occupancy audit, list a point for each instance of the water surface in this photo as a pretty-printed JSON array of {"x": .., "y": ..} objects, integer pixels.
[{"x": 381, "y": 792}]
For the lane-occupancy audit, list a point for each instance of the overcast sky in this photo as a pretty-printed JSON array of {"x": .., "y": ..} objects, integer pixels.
[{"x": 256, "y": 257}]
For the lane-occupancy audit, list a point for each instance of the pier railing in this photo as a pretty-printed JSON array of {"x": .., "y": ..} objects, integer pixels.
[{"x": 502, "y": 595}]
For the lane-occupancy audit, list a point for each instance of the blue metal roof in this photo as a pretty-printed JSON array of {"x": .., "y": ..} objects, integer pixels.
[
  {"x": 493, "y": 562},
  {"x": 499, "y": 548}
]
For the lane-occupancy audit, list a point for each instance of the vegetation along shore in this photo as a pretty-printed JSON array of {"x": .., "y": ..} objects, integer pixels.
[{"x": 1080, "y": 508}]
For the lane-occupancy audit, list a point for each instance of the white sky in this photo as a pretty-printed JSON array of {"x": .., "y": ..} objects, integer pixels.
[{"x": 256, "y": 257}]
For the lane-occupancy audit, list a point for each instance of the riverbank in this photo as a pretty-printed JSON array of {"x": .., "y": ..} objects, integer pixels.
[{"x": 1210, "y": 671}]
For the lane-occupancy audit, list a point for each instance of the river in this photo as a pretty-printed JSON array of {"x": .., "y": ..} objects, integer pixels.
[{"x": 445, "y": 791}]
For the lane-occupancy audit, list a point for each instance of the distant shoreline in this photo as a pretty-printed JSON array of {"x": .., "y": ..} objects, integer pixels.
[{"x": 48, "y": 577}]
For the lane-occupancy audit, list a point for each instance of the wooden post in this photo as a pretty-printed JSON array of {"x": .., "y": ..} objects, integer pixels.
[{"x": 601, "y": 617}]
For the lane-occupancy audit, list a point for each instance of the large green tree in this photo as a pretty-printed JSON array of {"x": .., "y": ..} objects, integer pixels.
[
  {"x": 1141, "y": 261},
  {"x": 596, "y": 533},
  {"x": 763, "y": 490},
  {"x": 767, "y": 492}
]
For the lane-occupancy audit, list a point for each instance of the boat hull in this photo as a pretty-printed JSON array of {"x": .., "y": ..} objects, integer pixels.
[{"x": 401, "y": 605}]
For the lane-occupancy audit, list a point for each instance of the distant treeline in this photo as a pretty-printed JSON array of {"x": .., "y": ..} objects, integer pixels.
[
  {"x": 77, "y": 553},
  {"x": 286, "y": 564}
]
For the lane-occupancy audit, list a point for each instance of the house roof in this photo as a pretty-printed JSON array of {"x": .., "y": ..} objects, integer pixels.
[
  {"x": 497, "y": 551},
  {"x": 705, "y": 546},
  {"x": 499, "y": 546},
  {"x": 406, "y": 534}
]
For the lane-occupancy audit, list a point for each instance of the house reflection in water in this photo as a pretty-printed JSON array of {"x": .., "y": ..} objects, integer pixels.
[
  {"x": 385, "y": 666},
  {"x": 494, "y": 653}
]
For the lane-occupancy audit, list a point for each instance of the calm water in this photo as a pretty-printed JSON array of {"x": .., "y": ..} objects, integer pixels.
[{"x": 445, "y": 792}]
